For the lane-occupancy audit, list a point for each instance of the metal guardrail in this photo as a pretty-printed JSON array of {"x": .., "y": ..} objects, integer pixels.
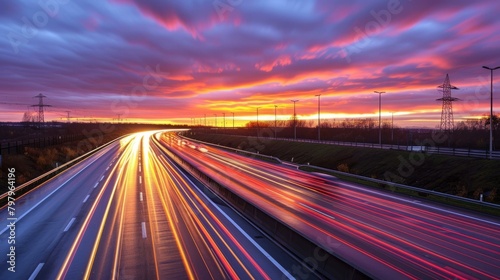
[
  {"x": 420, "y": 190},
  {"x": 233, "y": 149},
  {"x": 31, "y": 184}
]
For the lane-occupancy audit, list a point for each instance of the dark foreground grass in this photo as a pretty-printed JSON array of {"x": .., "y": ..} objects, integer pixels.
[{"x": 466, "y": 177}]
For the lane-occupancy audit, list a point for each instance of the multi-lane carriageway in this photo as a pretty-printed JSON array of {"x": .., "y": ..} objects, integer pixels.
[{"x": 128, "y": 212}]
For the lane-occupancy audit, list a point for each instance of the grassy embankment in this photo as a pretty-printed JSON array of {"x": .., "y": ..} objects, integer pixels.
[{"x": 461, "y": 176}]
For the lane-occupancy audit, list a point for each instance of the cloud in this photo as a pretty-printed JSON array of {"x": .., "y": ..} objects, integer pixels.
[{"x": 216, "y": 54}]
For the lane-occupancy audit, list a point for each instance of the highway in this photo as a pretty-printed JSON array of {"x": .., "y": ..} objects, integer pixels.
[
  {"x": 128, "y": 212},
  {"x": 385, "y": 235}
]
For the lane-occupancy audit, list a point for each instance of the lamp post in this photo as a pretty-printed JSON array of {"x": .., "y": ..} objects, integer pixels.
[
  {"x": 392, "y": 128},
  {"x": 205, "y": 120},
  {"x": 275, "y": 122},
  {"x": 294, "y": 120},
  {"x": 224, "y": 120},
  {"x": 319, "y": 119},
  {"x": 380, "y": 116},
  {"x": 215, "y": 120},
  {"x": 258, "y": 117},
  {"x": 491, "y": 109},
  {"x": 258, "y": 121},
  {"x": 233, "y": 120}
]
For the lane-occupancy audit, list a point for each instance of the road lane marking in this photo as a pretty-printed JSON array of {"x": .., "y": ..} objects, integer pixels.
[
  {"x": 69, "y": 225},
  {"x": 87, "y": 197},
  {"x": 50, "y": 194},
  {"x": 140, "y": 196},
  {"x": 139, "y": 168},
  {"x": 140, "y": 179},
  {"x": 107, "y": 168},
  {"x": 250, "y": 239},
  {"x": 143, "y": 226},
  {"x": 96, "y": 184},
  {"x": 36, "y": 271},
  {"x": 101, "y": 178}
]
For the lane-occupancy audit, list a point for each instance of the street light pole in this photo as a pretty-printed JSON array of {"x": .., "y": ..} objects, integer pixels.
[
  {"x": 319, "y": 118},
  {"x": 258, "y": 121},
  {"x": 215, "y": 115},
  {"x": 275, "y": 122},
  {"x": 491, "y": 109},
  {"x": 205, "y": 120},
  {"x": 294, "y": 120},
  {"x": 380, "y": 116},
  {"x": 258, "y": 117},
  {"x": 392, "y": 128},
  {"x": 224, "y": 120},
  {"x": 233, "y": 120}
]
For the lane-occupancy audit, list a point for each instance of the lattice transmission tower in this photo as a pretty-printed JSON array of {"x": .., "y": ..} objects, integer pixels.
[
  {"x": 447, "y": 111},
  {"x": 40, "y": 106}
]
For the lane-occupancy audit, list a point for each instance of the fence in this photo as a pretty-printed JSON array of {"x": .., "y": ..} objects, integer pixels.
[{"x": 17, "y": 147}]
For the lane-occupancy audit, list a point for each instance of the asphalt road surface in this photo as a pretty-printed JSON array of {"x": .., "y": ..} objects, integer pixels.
[
  {"x": 385, "y": 235},
  {"x": 128, "y": 213}
]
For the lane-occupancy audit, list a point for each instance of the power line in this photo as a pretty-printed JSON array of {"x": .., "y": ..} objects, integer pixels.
[{"x": 19, "y": 104}]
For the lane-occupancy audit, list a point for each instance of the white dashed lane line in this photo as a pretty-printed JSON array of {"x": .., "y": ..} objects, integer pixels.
[
  {"x": 36, "y": 271},
  {"x": 143, "y": 226},
  {"x": 69, "y": 225}
]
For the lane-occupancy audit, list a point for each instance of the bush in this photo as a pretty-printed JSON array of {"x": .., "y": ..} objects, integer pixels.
[
  {"x": 46, "y": 159},
  {"x": 70, "y": 153},
  {"x": 343, "y": 167},
  {"x": 477, "y": 193},
  {"x": 461, "y": 190},
  {"x": 492, "y": 195}
]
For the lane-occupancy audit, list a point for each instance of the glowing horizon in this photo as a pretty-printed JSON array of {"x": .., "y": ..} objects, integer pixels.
[{"x": 165, "y": 62}]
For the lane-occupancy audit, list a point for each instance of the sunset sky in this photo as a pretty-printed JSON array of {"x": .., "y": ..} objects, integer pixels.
[{"x": 170, "y": 61}]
